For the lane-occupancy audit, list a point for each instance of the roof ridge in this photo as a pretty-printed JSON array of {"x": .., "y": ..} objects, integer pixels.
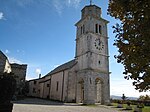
[{"x": 62, "y": 67}]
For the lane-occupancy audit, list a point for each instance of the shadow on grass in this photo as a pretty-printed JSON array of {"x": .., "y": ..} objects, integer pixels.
[
  {"x": 116, "y": 107},
  {"x": 128, "y": 110},
  {"x": 122, "y": 109}
]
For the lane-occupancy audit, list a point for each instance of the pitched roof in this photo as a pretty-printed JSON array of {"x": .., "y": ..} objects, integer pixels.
[{"x": 62, "y": 67}]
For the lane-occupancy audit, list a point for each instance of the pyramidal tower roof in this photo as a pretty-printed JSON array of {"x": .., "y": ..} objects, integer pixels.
[{"x": 91, "y": 10}]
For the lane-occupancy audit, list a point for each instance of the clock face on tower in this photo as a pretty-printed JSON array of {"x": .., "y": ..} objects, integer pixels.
[{"x": 99, "y": 44}]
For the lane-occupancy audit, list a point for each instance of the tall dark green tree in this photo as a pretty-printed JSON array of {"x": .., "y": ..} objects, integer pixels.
[{"x": 132, "y": 38}]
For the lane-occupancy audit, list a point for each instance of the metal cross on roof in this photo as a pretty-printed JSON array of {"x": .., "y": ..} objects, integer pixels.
[{"x": 91, "y": 2}]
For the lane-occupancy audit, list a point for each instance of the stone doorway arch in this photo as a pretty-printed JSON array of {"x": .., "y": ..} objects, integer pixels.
[{"x": 98, "y": 90}]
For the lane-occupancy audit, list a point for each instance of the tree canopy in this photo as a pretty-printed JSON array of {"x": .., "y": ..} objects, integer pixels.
[
  {"x": 144, "y": 98},
  {"x": 132, "y": 38}
]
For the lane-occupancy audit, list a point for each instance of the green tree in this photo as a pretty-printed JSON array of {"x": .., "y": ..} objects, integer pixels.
[
  {"x": 123, "y": 97},
  {"x": 133, "y": 39},
  {"x": 144, "y": 98}
]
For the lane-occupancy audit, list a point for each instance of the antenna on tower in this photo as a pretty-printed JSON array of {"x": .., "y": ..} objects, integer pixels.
[{"x": 90, "y": 2}]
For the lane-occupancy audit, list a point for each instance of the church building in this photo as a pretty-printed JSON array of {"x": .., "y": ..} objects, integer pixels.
[{"x": 84, "y": 79}]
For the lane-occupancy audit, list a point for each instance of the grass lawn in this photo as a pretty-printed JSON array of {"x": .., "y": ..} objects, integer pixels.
[{"x": 145, "y": 109}]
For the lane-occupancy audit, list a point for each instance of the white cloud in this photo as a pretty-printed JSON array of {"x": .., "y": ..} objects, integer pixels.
[
  {"x": 38, "y": 71},
  {"x": 14, "y": 60},
  {"x": 58, "y": 5},
  {"x": 18, "y": 51},
  {"x": 55, "y": 66},
  {"x": 73, "y": 3},
  {"x": 7, "y": 51},
  {"x": 119, "y": 87},
  {"x": 22, "y": 52},
  {"x": 29, "y": 77},
  {"x": 1, "y": 15},
  {"x": 23, "y": 3}
]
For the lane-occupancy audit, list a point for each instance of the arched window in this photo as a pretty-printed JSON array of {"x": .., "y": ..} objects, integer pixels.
[
  {"x": 96, "y": 28},
  {"x": 100, "y": 30},
  {"x": 81, "y": 29}
]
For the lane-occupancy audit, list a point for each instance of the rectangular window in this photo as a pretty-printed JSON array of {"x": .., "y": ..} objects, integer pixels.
[
  {"x": 47, "y": 85},
  {"x": 90, "y": 12},
  {"x": 96, "y": 28},
  {"x": 83, "y": 29},
  {"x": 100, "y": 31},
  {"x": 34, "y": 91},
  {"x": 57, "y": 86}
]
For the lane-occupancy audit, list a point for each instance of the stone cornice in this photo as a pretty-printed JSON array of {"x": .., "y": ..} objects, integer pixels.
[
  {"x": 92, "y": 52},
  {"x": 92, "y": 16},
  {"x": 92, "y": 70}
]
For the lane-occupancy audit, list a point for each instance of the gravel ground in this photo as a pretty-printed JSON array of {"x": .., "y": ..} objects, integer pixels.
[{"x": 39, "y": 105}]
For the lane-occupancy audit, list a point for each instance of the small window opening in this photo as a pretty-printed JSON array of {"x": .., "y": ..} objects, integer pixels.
[
  {"x": 57, "y": 86},
  {"x": 99, "y": 62},
  {"x": 34, "y": 90},
  {"x": 47, "y": 85},
  {"x": 100, "y": 29},
  {"x": 81, "y": 29},
  {"x": 96, "y": 28},
  {"x": 90, "y": 81}
]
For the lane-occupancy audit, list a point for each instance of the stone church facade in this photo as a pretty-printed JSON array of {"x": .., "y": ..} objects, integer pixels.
[{"x": 84, "y": 79}]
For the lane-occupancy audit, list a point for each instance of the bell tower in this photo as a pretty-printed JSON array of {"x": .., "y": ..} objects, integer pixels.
[{"x": 92, "y": 56}]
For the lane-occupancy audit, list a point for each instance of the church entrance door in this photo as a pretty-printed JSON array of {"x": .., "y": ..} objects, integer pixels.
[
  {"x": 81, "y": 89},
  {"x": 98, "y": 91},
  {"x": 82, "y": 92}
]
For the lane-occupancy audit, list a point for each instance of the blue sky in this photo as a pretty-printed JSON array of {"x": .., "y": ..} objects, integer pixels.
[{"x": 41, "y": 33}]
